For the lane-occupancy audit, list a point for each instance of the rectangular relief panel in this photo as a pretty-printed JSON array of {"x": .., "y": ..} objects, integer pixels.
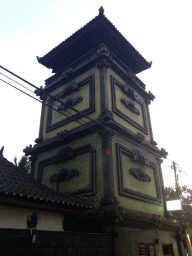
[
  {"x": 138, "y": 177},
  {"x": 80, "y": 96},
  {"x": 70, "y": 171},
  {"x": 127, "y": 105}
]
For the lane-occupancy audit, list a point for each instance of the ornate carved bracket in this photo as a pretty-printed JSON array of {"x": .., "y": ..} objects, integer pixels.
[
  {"x": 139, "y": 157},
  {"x": 150, "y": 98},
  {"x": 64, "y": 175},
  {"x": 70, "y": 102},
  {"x": 61, "y": 136},
  {"x": 72, "y": 87},
  {"x": 103, "y": 63},
  {"x": 32, "y": 220},
  {"x": 40, "y": 93},
  {"x": 128, "y": 91},
  {"x": 140, "y": 137},
  {"x": 164, "y": 152},
  {"x": 103, "y": 51},
  {"x": 154, "y": 143},
  {"x": 130, "y": 106},
  {"x": 63, "y": 155},
  {"x": 1, "y": 151},
  {"x": 139, "y": 174},
  {"x": 27, "y": 149},
  {"x": 106, "y": 117},
  {"x": 39, "y": 140}
]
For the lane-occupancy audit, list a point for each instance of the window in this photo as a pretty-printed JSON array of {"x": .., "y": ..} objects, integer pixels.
[
  {"x": 146, "y": 250},
  {"x": 168, "y": 250}
]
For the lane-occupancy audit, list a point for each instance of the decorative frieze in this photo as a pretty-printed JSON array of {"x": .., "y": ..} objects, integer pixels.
[
  {"x": 129, "y": 105},
  {"x": 106, "y": 117},
  {"x": 63, "y": 155},
  {"x": 64, "y": 175},
  {"x": 69, "y": 89},
  {"x": 139, "y": 174},
  {"x": 69, "y": 103},
  {"x": 103, "y": 63},
  {"x": 137, "y": 156}
]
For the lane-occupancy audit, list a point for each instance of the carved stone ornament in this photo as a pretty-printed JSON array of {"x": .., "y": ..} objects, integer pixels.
[
  {"x": 129, "y": 92},
  {"x": 27, "y": 149},
  {"x": 70, "y": 88},
  {"x": 140, "y": 136},
  {"x": 1, "y": 151},
  {"x": 61, "y": 136},
  {"x": 154, "y": 143},
  {"x": 32, "y": 220},
  {"x": 40, "y": 93},
  {"x": 129, "y": 105},
  {"x": 164, "y": 152},
  {"x": 132, "y": 76},
  {"x": 106, "y": 117},
  {"x": 101, "y": 11},
  {"x": 64, "y": 175},
  {"x": 103, "y": 51},
  {"x": 103, "y": 63},
  {"x": 39, "y": 140},
  {"x": 151, "y": 95},
  {"x": 139, "y": 174},
  {"x": 69, "y": 103},
  {"x": 63, "y": 155},
  {"x": 139, "y": 157}
]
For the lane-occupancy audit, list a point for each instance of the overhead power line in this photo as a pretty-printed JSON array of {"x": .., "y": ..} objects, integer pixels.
[{"x": 80, "y": 113}]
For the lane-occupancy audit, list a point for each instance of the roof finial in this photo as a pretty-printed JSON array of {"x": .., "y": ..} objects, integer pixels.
[
  {"x": 1, "y": 151},
  {"x": 101, "y": 10}
]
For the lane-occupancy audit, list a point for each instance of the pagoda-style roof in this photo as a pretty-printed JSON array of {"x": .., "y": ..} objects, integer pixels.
[{"x": 97, "y": 31}]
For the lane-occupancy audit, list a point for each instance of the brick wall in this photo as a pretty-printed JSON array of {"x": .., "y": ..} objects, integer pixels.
[{"x": 49, "y": 243}]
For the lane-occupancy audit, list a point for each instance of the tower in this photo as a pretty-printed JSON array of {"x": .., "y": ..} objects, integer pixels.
[{"x": 96, "y": 140}]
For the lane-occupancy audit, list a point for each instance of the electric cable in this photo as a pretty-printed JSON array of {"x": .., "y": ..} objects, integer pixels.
[{"x": 81, "y": 114}]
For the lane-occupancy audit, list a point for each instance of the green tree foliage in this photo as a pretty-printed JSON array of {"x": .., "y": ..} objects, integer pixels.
[
  {"x": 23, "y": 164},
  {"x": 185, "y": 194}
]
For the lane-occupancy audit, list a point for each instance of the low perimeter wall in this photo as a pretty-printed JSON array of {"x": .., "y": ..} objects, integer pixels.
[{"x": 48, "y": 243}]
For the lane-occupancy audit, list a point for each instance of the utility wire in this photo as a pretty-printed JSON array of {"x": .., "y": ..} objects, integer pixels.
[{"x": 80, "y": 113}]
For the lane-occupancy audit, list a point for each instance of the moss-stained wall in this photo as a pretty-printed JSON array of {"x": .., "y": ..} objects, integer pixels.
[
  {"x": 16, "y": 217},
  {"x": 135, "y": 122},
  {"x": 89, "y": 93},
  {"x": 128, "y": 240},
  {"x": 89, "y": 164},
  {"x": 133, "y": 193}
]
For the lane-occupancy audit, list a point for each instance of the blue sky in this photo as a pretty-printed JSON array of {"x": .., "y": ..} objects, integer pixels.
[{"x": 159, "y": 30}]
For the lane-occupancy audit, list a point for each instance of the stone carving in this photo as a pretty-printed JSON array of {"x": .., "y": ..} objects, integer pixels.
[
  {"x": 139, "y": 174},
  {"x": 40, "y": 93},
  {"x": 39, "y": 140},
  {"x": 61, "y": 136},
  {"x": 72, "y": 87},
  {"x": 1, "y": 151},
  {"x": 32, "y": 220},
  {"x": 164, "y": 152},
  {"x": 64, "y": 175},
  {"x": 69, "y": 103},
  {"x": 130, "y": 106},
  {"x": 139, "y": 157},
  {"x": 140, "y": 136},
  {"x": 128, "y": 91},
  {"x": 103, "y": 51},
  {"x": 27, "y": 149},
  {"x": 63, "y": 155},
  {"x": 101, "y": 11},
  {"x": 106, "y": 117},
  {"x": 103, "y": 63}
]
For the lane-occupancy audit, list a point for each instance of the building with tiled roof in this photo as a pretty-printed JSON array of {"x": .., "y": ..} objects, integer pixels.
[{"x": 20, "y": 194}]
